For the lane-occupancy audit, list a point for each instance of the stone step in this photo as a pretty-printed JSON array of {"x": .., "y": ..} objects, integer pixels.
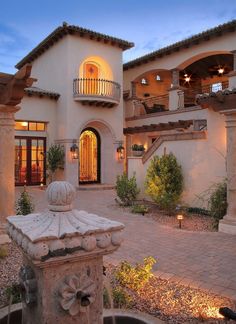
[{"x": 96, "y": 186}]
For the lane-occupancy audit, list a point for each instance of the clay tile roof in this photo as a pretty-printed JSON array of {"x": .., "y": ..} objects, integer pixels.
[
  {"x": 66, "y": 29},
  {"x": 193, "y": 40},
  {"x": 40, "y": 92}
]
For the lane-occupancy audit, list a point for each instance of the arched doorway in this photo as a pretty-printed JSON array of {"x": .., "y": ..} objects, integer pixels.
[{"x": 89, "y": 156}]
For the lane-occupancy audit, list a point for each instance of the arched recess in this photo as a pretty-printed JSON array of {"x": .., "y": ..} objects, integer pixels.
[
  {"x": 198, "y": 57},
  {"x": 103, "y": 68},
  {"x": 157, "y": 83},
  {"x": 106, "y": 138}
]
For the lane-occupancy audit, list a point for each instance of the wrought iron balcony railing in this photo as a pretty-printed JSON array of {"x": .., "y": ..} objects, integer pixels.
[{"x": 96, "y": 91}]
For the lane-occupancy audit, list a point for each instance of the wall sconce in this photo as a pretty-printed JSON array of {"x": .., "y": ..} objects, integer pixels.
[
  {"x": 74, "y": 152},
  {"x": 120, "y": 152},
  {"x": 180, "y": 218}
]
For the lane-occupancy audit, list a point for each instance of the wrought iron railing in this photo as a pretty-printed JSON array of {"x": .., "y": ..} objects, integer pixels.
[
  {"x": 84, "y": 87},
  {"x": 187, "y": 97}
]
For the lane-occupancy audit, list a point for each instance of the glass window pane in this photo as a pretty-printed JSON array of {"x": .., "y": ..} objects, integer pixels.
[
  {"x": 40, "y": 126},
  {"x": 21, "y": 125},
  {"x": 32, "y": 126},
  {"x": 216, "y": 87}
]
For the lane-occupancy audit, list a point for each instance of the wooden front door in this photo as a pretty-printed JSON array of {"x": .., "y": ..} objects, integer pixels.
[{"x": 89, "y": 156}]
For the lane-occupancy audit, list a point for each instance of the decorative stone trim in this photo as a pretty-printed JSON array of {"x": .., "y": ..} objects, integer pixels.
[
  {"x": 164, "y": 113},
  {"x": 60, "y": 230},
  {"x": 197, "y": 135},
  {"x": 77, "y": 293}
]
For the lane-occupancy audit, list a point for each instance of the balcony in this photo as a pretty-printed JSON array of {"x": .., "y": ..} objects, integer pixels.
[{"x": 96, "y": 92}]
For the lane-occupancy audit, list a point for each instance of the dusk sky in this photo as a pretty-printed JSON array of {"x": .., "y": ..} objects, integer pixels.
[{"x": 150, "y": 24}]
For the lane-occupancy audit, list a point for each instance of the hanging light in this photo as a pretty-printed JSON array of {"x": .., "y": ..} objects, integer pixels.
[
  {"x": 24, "y": 124},
  {"x": 74, "y": 151},
  {"x": 187, "y": 78},
  {"x": 120, "y": 152},
  {"x": 221, "y": 70}
]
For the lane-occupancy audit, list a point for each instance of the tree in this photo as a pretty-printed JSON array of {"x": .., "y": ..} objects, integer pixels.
[
  {"x": 55, "y": 159},
  {"x": 164, "y": 181}
]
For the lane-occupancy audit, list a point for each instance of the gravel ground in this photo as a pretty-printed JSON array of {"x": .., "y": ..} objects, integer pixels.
[
  {"x": 174, "y": 303},
  {"x": 9, "y": 269},
  {"x": 191, "y": 222}
]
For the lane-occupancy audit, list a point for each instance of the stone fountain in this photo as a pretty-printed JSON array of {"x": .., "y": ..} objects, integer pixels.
[{"x": 63, "y": 248}]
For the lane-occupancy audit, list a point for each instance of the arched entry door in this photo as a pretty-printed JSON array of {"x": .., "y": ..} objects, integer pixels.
[{"x": 89, "y": 156}]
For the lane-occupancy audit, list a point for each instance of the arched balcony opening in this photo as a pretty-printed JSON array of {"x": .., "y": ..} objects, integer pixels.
[
  {"x": 95, "y": 84},
  {"x": 151, "y": 88},
  {"x": 204, "y": 75}
]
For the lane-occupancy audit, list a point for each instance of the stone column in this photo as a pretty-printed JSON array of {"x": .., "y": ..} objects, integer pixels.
[
  {"x": 174, "y": 91},
  {"x": 7, "y": 152},
  {"x": 133, "y": 90},
  {"x": 228, "y": 223},
  {"x": 232, "y": 74}
]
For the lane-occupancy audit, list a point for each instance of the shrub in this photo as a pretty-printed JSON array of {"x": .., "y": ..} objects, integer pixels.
[
  {"x": 119, "y": 296},
  {"x": 138, "y": 147},
  {"x": 139, "y": 209},
  {"x": 164, "y": 181},
  {"x": 135, "y": 277},
  {"x": 3, "y": 252},
  {"x": 14, "y": 291},
  {"x": 55, "y": 159},
  {"x": 126, "y": 189},
  {"x": 24, "y": 205},
  {"x": 218, "y": 202}
]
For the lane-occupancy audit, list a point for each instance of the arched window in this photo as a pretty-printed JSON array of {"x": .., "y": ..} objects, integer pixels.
[
  {"x": 144, "y": 81},
  {"x": 158, "y": 78}
]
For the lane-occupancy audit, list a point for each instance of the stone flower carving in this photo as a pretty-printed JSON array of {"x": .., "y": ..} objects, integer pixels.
[{"x": 77, "y": 293}]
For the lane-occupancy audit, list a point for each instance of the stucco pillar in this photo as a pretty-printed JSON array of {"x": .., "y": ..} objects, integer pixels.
[
  {"x": 232, "y": 74},
  {"x": 228, "y": 223},
  {"x": 174, "y": 91},
  {"x": 7, "y": 158},
  {"x": 133, "y": 89}
]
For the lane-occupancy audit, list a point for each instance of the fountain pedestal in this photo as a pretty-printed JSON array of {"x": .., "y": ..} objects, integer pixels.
[{"x": 62, "y": 275}]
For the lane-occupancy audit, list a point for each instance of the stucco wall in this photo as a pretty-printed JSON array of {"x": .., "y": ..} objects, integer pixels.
[
  {"x": 202, "y": 161},
  {"x": 216, "y": 45},
  {"x": 39, "y": 109}
]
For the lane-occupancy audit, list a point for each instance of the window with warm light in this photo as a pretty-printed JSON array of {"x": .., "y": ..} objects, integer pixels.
[
  {"x": 216, "y": 87},
  {"x": 144, "y": 81},
  {"x": 158, "y": 78},
  {"x": 30, "y": 126}
]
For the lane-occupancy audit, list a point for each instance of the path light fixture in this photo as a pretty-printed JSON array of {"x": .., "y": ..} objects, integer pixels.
[
  {"x": 74, "y": 151},
  {"x": 180, "y": 218},
  {"x": 120, "y": 152}
]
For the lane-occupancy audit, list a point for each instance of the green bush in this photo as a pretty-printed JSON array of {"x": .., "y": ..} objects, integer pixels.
[
  {"x": 3, "y": 252},
  {"x": 55, "y": 159},
  {"x": 135, "y": 277},
  {"x": 121, "y": 299},
  {"x": 24, "y": 204},
  {"x": 218, "y": 202},
  {"x": 164, "y": 181},
  {"x": 126, "y": 189},
  {"x": 138, "y": 147},
  {"x": 15, "y": 292},
  {"x": 139, "y": 209}
]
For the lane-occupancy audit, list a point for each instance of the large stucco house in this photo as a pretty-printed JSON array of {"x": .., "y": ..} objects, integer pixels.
[{"x": 84, "y": 96}]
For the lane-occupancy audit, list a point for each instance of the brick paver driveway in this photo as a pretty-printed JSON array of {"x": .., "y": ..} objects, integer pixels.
[{"x": 198, "y": 259}]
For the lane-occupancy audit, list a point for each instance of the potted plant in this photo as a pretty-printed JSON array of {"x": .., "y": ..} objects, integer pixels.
[{"x": 138, "y": 149}]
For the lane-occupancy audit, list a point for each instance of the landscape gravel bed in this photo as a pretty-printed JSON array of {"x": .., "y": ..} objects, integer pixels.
[{"x": 9, "y": 269}]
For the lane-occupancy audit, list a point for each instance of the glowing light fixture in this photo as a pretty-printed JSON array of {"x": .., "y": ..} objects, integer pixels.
[
  {"x": 24, "y": 124},
  {"x": 180, "y": 217},
  {"x": 186, "y": 78},
  {"x": 74, "y": 152},
  {"x": 120, "y": 152},
  {"x": 221, "y": 70}
]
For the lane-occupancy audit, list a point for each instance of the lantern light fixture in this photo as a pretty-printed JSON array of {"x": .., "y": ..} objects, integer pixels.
[
  {"x": 74, "y": 151},
  {"x": 120, "y": 152},
  {"x": 187, "y": 78},
  {"x": 180, "y": 217}
]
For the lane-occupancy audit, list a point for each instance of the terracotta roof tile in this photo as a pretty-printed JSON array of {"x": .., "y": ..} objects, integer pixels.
[
  {"x": 66, "y": 29},
  {"x": 40, "y": 92}
]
